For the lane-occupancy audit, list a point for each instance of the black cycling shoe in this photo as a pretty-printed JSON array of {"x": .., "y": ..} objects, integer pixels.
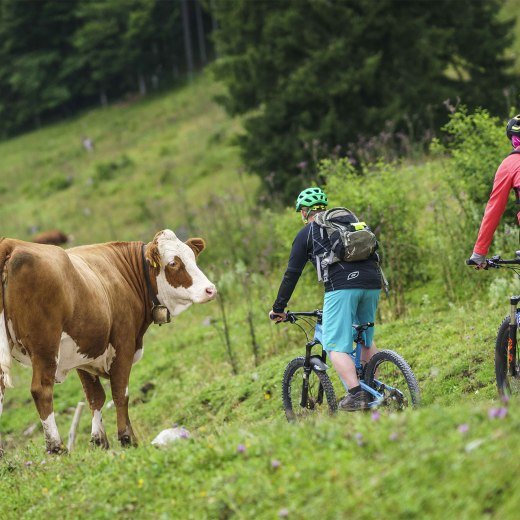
[{"x": 354, "y": 402}]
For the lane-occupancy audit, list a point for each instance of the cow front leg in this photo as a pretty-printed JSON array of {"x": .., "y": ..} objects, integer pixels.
[
  {"x": 95, "y": 395},
  {"x": 119, "y": 377},
  {"x": 2, "y": 390},
  {"x": 42, "y": 390}
]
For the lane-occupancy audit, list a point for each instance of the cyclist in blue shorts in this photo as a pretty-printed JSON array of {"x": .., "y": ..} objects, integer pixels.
[{"x": 351, "y": 296}]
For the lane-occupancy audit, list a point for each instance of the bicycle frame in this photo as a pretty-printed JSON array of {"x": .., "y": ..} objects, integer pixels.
[{"x": 356, "y": 358}]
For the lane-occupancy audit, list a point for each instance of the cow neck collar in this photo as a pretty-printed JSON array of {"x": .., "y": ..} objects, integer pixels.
[{"x": 149, "y": 288}]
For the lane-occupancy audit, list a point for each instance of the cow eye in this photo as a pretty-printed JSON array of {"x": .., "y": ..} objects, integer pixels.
[{"x": 172, "y": 263}]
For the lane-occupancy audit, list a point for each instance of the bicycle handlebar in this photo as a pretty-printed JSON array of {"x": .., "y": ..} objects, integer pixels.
[
  {"x": 293, "y": 316},
  {"x": 495, "y": 261}
]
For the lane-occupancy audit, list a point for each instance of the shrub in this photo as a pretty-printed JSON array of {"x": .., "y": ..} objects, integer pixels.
[
  {"x": 108, "y": 170},
  {"x": 476, "y": 145},
  {"x": 378, "y": 198},
  {"x": 48, "y": 185}
]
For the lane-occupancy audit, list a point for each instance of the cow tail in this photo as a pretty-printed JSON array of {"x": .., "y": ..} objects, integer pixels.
[{"x": 5, "y": 350}]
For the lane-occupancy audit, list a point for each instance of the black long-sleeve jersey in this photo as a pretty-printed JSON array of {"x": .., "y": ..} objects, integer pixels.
[{"x": 306, "y": 246}]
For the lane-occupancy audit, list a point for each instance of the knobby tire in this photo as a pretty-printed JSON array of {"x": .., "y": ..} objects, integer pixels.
[
  {"x": 293, "y": 410},
  {"x": 394, "y": 358},
  {"x": 503, "y": 377}
]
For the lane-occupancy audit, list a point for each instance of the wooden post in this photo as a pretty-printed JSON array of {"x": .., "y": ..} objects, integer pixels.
[{"x": 74, "y": 425}]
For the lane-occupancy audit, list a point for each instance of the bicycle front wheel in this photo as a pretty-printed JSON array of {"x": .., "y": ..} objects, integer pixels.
[
  {"x": 389, "y": 374},
  {"x": 506, "y": 383},
  {"x": 299, "y": 402}
]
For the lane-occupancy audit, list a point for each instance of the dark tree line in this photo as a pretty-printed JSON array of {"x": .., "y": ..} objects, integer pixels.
[
  {"x": 313, "y": 76},
  {"x": 59, "y": 56}
]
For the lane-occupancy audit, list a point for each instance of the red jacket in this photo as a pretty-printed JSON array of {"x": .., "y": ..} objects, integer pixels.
[{"x": 507, "y": 178}]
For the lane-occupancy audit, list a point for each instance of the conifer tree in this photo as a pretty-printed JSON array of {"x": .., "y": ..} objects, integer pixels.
[{"x": 315, "y": 75}]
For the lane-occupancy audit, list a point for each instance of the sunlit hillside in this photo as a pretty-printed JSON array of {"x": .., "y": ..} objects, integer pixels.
[{"x": 155, "y": 163}]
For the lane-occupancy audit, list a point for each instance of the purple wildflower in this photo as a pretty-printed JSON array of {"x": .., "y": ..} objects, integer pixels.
[
  {"x": 376, "y": 415},
  {"x": 497, "y": 413},
  {"x": 393, "y": 436},
  {"x": 359, "y": 439},
  {"x": 502, "y": 413},
  {"x": 241, "y": 448},
  {"x": 29, "y": 463},
  {"x": 275, "y": 464},
  {"x": 302, "y": 165},
  {"x": 463, "y": 428}
]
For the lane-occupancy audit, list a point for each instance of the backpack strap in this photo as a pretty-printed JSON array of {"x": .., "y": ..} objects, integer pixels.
[
  {"x": 317, "y": 257},
  {"x": 322, "y": 262}
]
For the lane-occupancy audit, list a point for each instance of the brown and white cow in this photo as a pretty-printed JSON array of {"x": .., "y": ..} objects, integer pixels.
[
  {"x": 87, "y": 308},
  {"x": 54, "y": 237}
]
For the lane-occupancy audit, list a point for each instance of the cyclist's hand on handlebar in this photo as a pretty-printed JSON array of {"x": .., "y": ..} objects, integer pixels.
[
  {"x": 478, "y": 261},
  {"x": 277, "y": 317}
]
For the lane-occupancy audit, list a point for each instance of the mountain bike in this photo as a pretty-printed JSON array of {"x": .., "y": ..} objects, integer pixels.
[
  {"x": 307, "y": 388},
  {"x": 507, "y": 364}
]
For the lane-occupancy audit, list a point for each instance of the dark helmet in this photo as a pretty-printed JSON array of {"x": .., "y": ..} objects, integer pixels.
[{"x": 513, "y": 127}]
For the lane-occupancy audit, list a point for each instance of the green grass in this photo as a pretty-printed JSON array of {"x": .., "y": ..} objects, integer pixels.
[
  {"x": 414, "y": 464},
  {"x": 358, "y": 468}
]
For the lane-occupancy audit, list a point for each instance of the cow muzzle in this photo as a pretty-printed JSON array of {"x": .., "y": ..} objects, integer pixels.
[{"x": 210, "y": 293}]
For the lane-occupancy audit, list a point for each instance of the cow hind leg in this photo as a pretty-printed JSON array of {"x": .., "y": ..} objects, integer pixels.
[
  {"x": 42, "y": 390},
  {"x": 96, "y": 399}
]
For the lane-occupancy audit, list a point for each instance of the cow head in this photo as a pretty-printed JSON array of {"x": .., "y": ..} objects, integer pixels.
[{"x": 179, "y": 280}]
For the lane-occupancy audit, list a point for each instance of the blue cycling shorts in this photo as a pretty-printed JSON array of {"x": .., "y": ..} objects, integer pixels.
[{"x": 342, "y": 309}]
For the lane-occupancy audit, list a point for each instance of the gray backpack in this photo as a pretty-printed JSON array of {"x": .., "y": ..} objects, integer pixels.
[{"x": 350, "y": 240}]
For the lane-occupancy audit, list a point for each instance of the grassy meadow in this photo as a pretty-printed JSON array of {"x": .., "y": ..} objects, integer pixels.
[
  {"x": 156, "y": 162},
  {"x": 171, "y": 161}
]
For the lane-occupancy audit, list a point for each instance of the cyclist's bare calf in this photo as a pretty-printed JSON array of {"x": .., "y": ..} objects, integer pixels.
[{"x": 345, "y": 367}]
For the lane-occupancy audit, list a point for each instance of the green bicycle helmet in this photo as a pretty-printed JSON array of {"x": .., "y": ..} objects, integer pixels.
[{"x": 311, "y": 197}]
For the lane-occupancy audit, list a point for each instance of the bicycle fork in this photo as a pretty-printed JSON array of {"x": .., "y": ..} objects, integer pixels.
[
  {"x": 511, "y": 342},
  {"x": 307, "y": 370}
]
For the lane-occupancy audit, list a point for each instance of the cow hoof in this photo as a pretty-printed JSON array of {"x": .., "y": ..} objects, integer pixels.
[
  {"x": 99, "y": 442},
  {"x": 57, "y": 450},
  {"x": 127, "y": 441}
]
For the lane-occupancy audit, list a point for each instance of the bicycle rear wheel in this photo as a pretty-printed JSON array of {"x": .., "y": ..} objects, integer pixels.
[
  {"x": 320, "y": 397},
  {"x": 389, "y": 374},
  {"x": 506, "y": 383}
]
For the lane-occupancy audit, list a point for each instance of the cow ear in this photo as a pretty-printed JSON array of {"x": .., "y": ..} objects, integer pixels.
[
  {"x": 197, "y": 244},
  {"x": 153, "y": 256}
]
